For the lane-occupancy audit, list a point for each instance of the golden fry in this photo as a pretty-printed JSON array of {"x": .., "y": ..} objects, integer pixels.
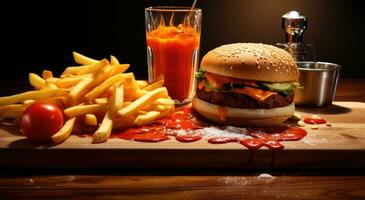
[
  {"x": 154, "y": 85},
  {"x": 83, "y": 60},
  {"x": 118, "y": 96},
  {"x": 143, "y": 101},
  {"x": 79, "y": 110},
  {"x": 36, "y": 81},
  {"x": 101, "y": 101},
  {"x": 13, "y": 110},
  {"x": 68, "y": 82},
  {"x": 142, "y": 84},
  {"x": 86, "y": 69},
  {"x": 98, "y": 90},
  {"x": 118, "y": 69},
  {"x": 106, "y": 126},
  {"x": 35, "y": 95},
  {"x": 114, "y": 60},
  {"x": 146, "y": 118},
  {"x": 64, "y": 132},
  {"x": 46, "y": 74},
  {"x": 91, "y": 120}
]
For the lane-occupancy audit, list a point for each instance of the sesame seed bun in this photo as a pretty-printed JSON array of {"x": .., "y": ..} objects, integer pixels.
[{"x": 251, "y": 61}]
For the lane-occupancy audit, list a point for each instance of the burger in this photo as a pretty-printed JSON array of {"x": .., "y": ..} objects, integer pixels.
[{"x": 246, "y": 84}]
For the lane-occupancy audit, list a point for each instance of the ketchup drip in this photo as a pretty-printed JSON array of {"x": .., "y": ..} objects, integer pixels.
[
  {"x": 143, "y": 134},
  {"x": 188, "y": 138},
  {"x": 309, "y": 120}
]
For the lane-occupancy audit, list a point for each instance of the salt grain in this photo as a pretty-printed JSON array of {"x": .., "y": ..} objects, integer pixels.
[
  {"x": 230, "y": 132},
  {"x": 265, "y": 176}
]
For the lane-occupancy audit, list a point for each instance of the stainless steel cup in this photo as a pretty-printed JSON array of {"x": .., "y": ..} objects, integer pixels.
[{"x": 319, "y": 80}]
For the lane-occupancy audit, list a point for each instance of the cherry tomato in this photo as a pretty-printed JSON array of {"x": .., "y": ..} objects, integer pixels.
[{"x": 40, "y": 121}]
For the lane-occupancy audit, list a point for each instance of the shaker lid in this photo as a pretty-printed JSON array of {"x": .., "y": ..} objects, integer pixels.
[{"x": 294, "y": 19}]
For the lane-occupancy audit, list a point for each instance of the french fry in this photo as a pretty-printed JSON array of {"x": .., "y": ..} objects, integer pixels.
[
  {"x": 46, "y": 74},
  {"x": 36, "y": 81},
  {"x": 67, "y": 76},
  {"x": 114, "y": 60},
  {"x": 101, "y": 101},
  {"x": 58, "y": 101},
  {"x": 146, "y": 118},
  {"x": 118, "y": 69},
  {"x": 79, "y": 90},
  {"x": 79, "y": 110},
  {"x": 106, "y": 126},
  {"x": 13, "y": 110},
  {"x": 142, "y": 83},
  {"x": 154, "y": 85},
  {"x": 97, "y": 91},
  {"x": 64, "y": 132},
  {"x": 164, "y": 102},
  {"x": 83, "y": 60},
  {"x": 91, "y": 120},
  {"x": 68, "y": 82},
  {"x": 104, "y": 101},
  {"x": 35, "y": 95},
  {"x": 130, "y": 82},
  {"x": 86, "y": 69},
  {"x": 28, "y": 101},
  {"x": 48, "y": 86},
  {"x": 155, "y": 107},
  {"x": 143, "y": 101}
]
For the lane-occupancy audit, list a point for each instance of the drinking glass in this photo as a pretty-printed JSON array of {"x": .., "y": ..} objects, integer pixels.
[{"x": 173, "y": 40}]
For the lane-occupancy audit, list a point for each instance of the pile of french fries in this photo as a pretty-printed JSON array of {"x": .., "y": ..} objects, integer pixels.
[{"x": 97, "y": 94}]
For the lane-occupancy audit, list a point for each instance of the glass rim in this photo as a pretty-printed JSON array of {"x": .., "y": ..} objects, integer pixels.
[{"x": 172, "y": 9}]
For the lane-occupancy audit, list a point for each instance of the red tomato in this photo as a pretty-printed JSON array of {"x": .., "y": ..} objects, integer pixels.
[{"x": 40, "y": 121}]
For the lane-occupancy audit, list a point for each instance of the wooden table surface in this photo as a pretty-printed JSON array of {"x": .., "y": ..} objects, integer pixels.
[{"x": 188, "y": 184}]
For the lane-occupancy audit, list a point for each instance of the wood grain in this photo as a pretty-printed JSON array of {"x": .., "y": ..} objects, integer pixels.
[{"x": 187, "y": 187}]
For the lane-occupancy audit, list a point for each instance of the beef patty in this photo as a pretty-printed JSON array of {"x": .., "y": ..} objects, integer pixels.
[{"x": 232, "y": 99}]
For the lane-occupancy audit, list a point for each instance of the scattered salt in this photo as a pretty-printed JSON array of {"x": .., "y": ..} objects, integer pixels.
[
  {"x": 315, "y": 117},
  {"x": 265, "y": 176},
  {"x": 212, "y": 131}
]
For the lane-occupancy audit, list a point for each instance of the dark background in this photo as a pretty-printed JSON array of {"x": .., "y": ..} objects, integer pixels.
[{"x": 42, "y": 34}]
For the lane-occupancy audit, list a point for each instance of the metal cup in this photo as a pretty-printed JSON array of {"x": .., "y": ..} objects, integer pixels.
[{"x": 319, "y": 80}]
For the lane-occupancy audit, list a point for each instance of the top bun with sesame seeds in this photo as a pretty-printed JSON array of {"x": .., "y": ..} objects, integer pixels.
[
  {"x": 246, "y": 84},
  {"x": 251, "y": 61}
]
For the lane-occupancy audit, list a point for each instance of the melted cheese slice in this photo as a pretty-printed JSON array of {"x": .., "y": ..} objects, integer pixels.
[{"x": 217, "y": 81}]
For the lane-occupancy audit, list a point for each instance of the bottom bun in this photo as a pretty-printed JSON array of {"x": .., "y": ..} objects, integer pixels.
[{"x": 242, "y": 116}]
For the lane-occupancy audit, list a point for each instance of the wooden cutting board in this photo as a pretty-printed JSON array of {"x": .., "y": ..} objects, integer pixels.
[{"x": 340, "y": 146}]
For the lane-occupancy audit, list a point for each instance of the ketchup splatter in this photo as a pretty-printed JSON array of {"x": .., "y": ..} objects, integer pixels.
[
  {"x": 180, "y": 120},
  {"x": 309, "y": 120},
  {"x": 188, "y": 138},
  {"x": 252, "y": 143},
  {"x": 271, "y": 137},
  {"x": 184, "y": 120},
  {"x": 143, "y": 134}
]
